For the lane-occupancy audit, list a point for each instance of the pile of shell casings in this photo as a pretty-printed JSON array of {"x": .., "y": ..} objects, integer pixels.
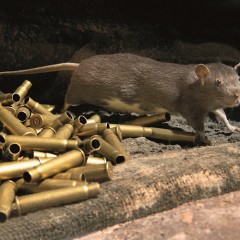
[{"x": 53, "y": 159}]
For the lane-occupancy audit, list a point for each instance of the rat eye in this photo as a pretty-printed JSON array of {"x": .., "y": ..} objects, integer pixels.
[{"x": 218, "y": 82}]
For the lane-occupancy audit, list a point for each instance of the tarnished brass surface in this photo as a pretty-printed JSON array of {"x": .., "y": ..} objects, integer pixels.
[
  {"x": 89, "y": 129},
  {"x": 12, "y": 123},
  {"x": 7, "y": 195},
  {"x": 38, "y": 121},
  {"x": 133, "y": 131},
  {"x": 12, "y": 152},
  {"x": 47, "y": 132},
  {"x": 157, "y": 133},
  {"x": 94, "y": 173},
  {"x": 21, "y": 91},
  {"x": 23, "y": 113},
  {"x": 6, "y": 98},
  {"x": 59, "y": 164},
  {"x": 40, "y": 143},
  {"x": 36, "y": 107},
  {"x": 92, "y": 160},
  {"x": 110, "y": 137},
  {"x": 65, "y": 118},
  {"x": 94, "y": 119},
  {"x": 90, "y": 145},
  {"x": 78, "y": 123},
  {"x": 38, "y": 154},
  {"x": 146, "y": 121},
  {"x": 14, "y": 169},
  {"x": 42, "y": 200},
  {"x": 110, "y": 152},
  {"x": 47, "y": 184},
  {"x": 64, "y": 132}
]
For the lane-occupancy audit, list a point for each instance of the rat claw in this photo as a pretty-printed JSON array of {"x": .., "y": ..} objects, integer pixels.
[{"x": 233, "y": 129}]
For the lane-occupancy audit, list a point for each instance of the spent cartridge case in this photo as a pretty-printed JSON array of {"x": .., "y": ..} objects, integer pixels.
[
  {"x": 13, "y": 124},
  {"x": 47, "y": 184},
  {"x": 173, "y": 135},
  {"x": 156, "y": 133},
  {"x": 7, "y": 195},
  {"x": 36, "y": 107},
  {"x": 68, "y": 175},
  {"x": 38, "y": 154},
  {"x": 92, "y": 160},
  {"x": 110, "y": 137},
  {"x": 65, "y": 118},
  {"x": 21, "y": 91},
  {"x": 110, "y": 152},
  {"x": 59, "y": 164},
  {"x": 29, "y": 143},
  {"x": 78, "y": 123},
  {"x": 89, "y": 129},
  {"x": 51, "y": 198},
  {"x": 64, "y": 132},
  {"x": 6, "y": 98},
  {"x": 47, "y": 132},
  {"x": 94, "y": 119},
  {"x": 23, "y": 113},
  {"x": 118, "y": 132},
  {"x": 11, "y": 109},
  {"x": 15, "y": 169},
  {"x": 147, "y": 121},
  {"x": 133, "y": 131},
  {"x": 94, "y": 173},
  {"x": 12, "y": 152},
  {"x": 90, "y": 145},
  {"x": 38, "y": 121}
]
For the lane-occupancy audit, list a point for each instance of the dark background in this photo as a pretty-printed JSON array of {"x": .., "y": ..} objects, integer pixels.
[{"x": 37, "y": 33}]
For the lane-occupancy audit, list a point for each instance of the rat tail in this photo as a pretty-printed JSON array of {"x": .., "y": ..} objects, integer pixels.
[{"x": 44, "y": 69}]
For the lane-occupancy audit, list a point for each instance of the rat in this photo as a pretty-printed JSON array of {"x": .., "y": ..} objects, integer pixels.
[{"x": 130, "y": 83}]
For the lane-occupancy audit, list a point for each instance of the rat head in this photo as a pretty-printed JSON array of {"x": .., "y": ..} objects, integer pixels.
[{"x": 220, "y": 83}]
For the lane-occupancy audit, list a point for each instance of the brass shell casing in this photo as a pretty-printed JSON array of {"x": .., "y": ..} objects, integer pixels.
[
  {"x": 110, "y": 152},
  {"x": 64, "y": 132},
  {"x": 47, "y": 184},
  {"x": 78, "y": 123},
  {"x": 146, "y": 121},
  {"x": 36, "y": 107},
  {"x": 59, "y": 164},
  {"x": 65, "y": 118},
  {"x": 94, "y": 173},
  {"x": 40, "y": 143},
  {"x": 7, "y": 195},
  {"x": 90, "y": 145},
  {"x": 21, "y": 91},
  {"x": 23, "y": 113},
  {"x": 89, "y": 129},
  {"x": 13, "y": 124},
  {"x": 157, "y": 133},
  {"x": 38, "y": 201},
  {"x": 12, "y": 152},
  {"x": 38, "y": 121},
  {"x": 110, "y": 137},
  {"x": 9, "y": 170},
  {"x": 92, "y": 160},
  {"x": 6, "y": 98},
  {"x": 68, "y": 175},
  {"x": 94, "y": 119},
  {"x": 47, "y": 132}
]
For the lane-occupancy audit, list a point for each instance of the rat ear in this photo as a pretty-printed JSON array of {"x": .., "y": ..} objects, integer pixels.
[
  {"x": 237, "y": 68},
  {"x": 202, "y": 72}
]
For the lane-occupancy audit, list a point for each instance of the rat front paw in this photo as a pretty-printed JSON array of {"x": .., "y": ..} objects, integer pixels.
[
  {"x": 202, "y": 140},
  {"x": 233, "y": 128}
]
